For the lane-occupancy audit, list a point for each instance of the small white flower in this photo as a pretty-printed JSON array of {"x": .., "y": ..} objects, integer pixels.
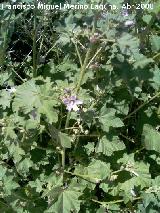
[
  {"x": 135, "y": 173},
  {"x": 86, "y": 132},
  {"x": 97, "y": 88},
  {"x": 133, "y": 193},
  {"x": 97, "y": 180},
  {"x": 129, "y": 23},
  {"x": 11, "y": 90},
  {"x": 78, "y": 120},
  {"x": 76, "y": 131}
]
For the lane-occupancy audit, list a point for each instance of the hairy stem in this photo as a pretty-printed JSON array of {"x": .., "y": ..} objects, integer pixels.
[
  {"x": 82, "y": 73},
  {"x": 34, "y": 47},
  {"x": 142, "y": 105},
  {"x": 5, "y": 42},
  {"x": 63, "y": 153},
  {"x": 112, "y": 202},
  {"x": 83, "y": 69},
  {"x": 84, "y": 177},
  {"x": 64, "y": 150}
]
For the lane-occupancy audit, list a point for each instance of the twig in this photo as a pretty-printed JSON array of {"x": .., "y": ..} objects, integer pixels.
[
  {"x": 142, "y": 105},
  {"x": 131, "y": 140},
  {"x": 112, "y": 202},
  {"x": 158, "y": 54},
  {"x": 35, "y": 41},
  {"x": 94, "y": 57},
  {"x": 78, "y": 53},
  {"x": 82, "y": 176}
]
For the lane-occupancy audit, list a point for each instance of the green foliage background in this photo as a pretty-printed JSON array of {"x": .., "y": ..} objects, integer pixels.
[{"x": 106, "y": 156}]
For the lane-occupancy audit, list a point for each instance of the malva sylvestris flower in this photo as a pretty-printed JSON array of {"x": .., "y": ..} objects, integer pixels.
[{"x": 72, "y": 103}]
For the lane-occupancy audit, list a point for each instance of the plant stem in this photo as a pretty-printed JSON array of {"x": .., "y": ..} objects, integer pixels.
[
  {"x": 158, "y": 54},
  {"x": 117, "y": 171},
  {"x": 112, "y": 202},
  {"x": 63, "y": 153},
  {"x": 82, "y": 73},
  {"x": 78, "y": 53},
  {"x": 127, "y": 138},
  {"x": 67, "y": 120},
  {"x": 63, "y": 149},
  {"x": 142, "y": 105},
  {"x": 35, "y": 41},
  {"x": 3, "y": 203},
  {"x": 5, "y": 42},
  {"x": 84, "y": 177},
  {"x": 94, "y": 57},
  {"x": 77, "y": 90},
  {"x": 83, "y": 69}
]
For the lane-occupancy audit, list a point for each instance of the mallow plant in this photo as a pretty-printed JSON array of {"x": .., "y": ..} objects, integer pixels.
[{"x": 79, "y": 109}]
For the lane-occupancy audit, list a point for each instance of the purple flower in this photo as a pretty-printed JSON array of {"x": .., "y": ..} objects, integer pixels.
[
  {"x": 33, "y": 113},
  {"x": 71, "y": 102},
  {"x": 125, "y": 13}
]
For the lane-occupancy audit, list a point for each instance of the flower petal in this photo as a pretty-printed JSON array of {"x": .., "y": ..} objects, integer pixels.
[
  {"x": 75, "y": 108},
  {"x": 78, "y": 102},
  {"x": 69, "y": 107}
]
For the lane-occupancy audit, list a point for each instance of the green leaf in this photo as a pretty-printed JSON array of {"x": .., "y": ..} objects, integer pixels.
[
  {"x": 68, "y": 200},
  {"x": 24, "y": 165},
  {"x": 9, "y": 185},
  {"x": 27, "y": 97},
  {"x": 37, "y": 184},
  {"x": 126, "y": 189},
  {"x": 156, "y": 8},
  {"x": 47, "y": 109},
  {"x": 32, "y": 124},
  {"x": 155, "y": 82},
  {"x": 3, "y": 172},
  {"x": 136, "y": 168},
  {"x": 65, "y": 140},
  {"x": 89, "y": 148},
  {"x": 9, "y": 132},
  {"x": 30, "y": 96},
  {"x": 155, "y": 42},
  {"x": 16, "y": 152},
  {"x": 96, "y": 171},
  {"x": 64, "y": 39},
  {"x": 54, "y": 183},
  {"x": 147, "y": 18},
  {"x": 128, "y": 44},
  {"x": 5, "y": 99},
  {"x": 151, "y": 138},
  {"x": 108, "y": 119},
  {"x": 101, "y": 210},
  {"x": 135, "y": 175},
  {"x": 151, "y": 201},
  {"x": 109, "y": 145},
  {"x": 142, "y": 61}
]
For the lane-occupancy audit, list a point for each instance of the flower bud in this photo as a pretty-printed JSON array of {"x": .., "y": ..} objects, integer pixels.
[
  {"x": 58, "y": 148},
  {"x": 94, "y": 38},
  {"x": 94, "y": 66}
]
